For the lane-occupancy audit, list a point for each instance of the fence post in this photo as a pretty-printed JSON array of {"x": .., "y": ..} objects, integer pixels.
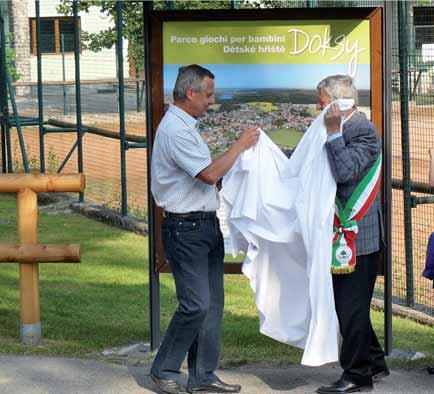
[
  {"x": 28, "y": 253},
  {"x": 154, "y": 276},
  {"x": 387, "y": 168},
  {"x": 405, "y": 146},
  {"x": 40, "y": 93},
  {"x": 3, "y": 102},
  {"x": 62, "y": 43},
  {"x": 77, "y": 44},
  {"x": 120, "y": 58},
  {"x": 27, "y": 212},
  {"x": 6, "y": 137}
]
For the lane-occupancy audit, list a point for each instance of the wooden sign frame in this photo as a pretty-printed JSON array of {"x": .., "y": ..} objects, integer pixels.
[{"x": 374, "y": 15}]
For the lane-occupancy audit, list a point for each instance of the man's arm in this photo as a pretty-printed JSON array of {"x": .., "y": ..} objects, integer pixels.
[
  {"x": 431, "y": 167},
  {"x": 219, "y": 167},
  {"x": 349, "y": 161}
]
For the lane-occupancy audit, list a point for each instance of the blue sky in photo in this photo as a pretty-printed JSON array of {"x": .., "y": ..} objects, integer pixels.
[{"x": 276, "y": 76}]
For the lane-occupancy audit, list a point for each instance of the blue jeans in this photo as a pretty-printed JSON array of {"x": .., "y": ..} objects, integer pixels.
[{"x": 195, "y": 251}]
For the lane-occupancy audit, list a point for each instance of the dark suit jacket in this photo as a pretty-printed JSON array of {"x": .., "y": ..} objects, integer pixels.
[{"x": 350, "y": 158}]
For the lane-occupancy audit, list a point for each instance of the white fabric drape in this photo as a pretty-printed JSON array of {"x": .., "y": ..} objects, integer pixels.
[{"x": 280, "y": 213}]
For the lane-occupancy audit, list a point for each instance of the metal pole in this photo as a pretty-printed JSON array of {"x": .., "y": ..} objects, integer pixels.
[
  {"x": 78, "y": 91},
  {"x": 154, "y": 277},
  {"x": 120, "y": 57},
  {"x": 8, "y": 143},
  {"x": 40, "y": 93},
  {"x": 62, "y": 43},
  {"x": 142, "y": 91},
  {"x": 67, "y": 157},
  {"x": 3, "y": 142},
  {"x": 405, "y": 141},
  {"x": 17, "y": 122},
  {"x": 3, "y": 91},
  {"x": 170, "y": 4},
  {"x": 7, "y": 156},
  {"x": 387, "y": 169},
  {"x": 137, "y": 90}
]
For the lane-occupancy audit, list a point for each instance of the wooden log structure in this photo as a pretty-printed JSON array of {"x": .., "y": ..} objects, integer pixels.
[
  {"x": 39, "y": 253},
  {"x": 40, "y": 183},
  {"x": 29, "y": 253}
]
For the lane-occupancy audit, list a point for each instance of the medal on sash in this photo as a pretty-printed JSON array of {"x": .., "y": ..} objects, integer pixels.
[{"x": 345, "y": 225}]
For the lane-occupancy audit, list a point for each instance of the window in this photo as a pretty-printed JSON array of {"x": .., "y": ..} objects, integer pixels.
[
  {"x": 56, "y": 34},
  {"x": 423, "y": 25}
]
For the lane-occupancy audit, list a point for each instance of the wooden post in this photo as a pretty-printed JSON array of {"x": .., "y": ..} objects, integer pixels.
[
  {"x": 27, "y": 211},
  {"x": 28, "y": 253}
]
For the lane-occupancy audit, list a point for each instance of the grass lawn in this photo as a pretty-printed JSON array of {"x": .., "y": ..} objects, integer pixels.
[
  {"x": 286, "y": 137},
  {"x": 103, "y": 301}
]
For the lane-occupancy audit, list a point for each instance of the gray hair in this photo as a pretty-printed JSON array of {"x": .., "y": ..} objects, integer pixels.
[
  {"x": 339, "y": 87},
  {"x": 190, "y": 77}
]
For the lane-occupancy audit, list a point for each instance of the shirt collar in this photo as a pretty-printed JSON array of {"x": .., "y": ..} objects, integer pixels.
[{"x": 184, "y": 116}]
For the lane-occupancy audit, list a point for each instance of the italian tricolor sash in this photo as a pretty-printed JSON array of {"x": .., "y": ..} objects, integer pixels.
[{"x": 345, "y": 226}]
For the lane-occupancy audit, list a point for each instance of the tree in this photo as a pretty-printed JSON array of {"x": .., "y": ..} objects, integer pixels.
[
  {"x": 10, "y": 61},
  {"x": 132, "y": 27},
  {"x": 132, "y": 23}
]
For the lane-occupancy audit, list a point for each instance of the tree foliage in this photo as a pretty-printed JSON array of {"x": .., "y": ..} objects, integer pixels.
[
  {"x": 132, "y": 23},
  {"x": 133, "y": 19}
]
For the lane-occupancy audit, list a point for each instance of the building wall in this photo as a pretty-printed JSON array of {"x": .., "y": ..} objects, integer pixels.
[
  {"x": 93, "y": 65},
  {"x": 18, "y": 23}
]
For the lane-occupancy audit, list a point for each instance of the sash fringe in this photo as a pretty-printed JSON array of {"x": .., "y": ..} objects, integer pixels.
[{"x": 343, "y": 270}]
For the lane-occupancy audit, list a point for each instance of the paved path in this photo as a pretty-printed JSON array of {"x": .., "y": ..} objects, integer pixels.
[{"x": 46, "y": 375}]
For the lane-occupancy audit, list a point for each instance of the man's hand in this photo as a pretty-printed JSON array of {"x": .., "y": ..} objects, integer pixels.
[
  {"x": 249, "y": 138},
  {"x": 332, "y": 119},
  {"x": 220, "y": 166}
]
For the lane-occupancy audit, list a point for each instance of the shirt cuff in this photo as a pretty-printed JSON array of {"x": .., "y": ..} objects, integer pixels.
[
  {"x": 200, "y": 166},
  {"x": 332, "y": 137}
]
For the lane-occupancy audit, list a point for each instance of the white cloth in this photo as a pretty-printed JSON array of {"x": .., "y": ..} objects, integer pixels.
[{"x": 280, "y": 213}]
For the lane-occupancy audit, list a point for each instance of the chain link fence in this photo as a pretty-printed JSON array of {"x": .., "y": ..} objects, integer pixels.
[{"x": 99, "y": 100}]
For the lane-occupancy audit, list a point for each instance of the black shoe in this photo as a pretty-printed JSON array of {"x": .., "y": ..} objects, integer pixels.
[
  {"x": 168, "y": 386},
  {"x": 216, "y": 387},
  {"x": 430, "y": 370},
  {"x": 343, "y": 386},
  {"x": 380, "y": 374}
]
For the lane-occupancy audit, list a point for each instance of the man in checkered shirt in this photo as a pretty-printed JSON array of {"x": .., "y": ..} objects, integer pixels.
[{"x": 183, "y": 183}]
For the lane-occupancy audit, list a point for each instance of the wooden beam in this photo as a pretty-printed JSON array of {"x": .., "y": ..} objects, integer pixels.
[
  {"x": 34, "y": 49},
  {"x": 13, "y": 183},
  {"x": 27, "y": 211},
  {"x": 57, "y": 36},
  {"x": 39, "y": 253}
]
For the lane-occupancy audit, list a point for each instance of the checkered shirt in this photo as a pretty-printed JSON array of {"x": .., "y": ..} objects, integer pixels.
[{"x": 178, "y": 155}]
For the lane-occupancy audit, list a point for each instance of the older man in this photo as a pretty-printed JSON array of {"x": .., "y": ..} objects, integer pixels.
[
  {"x": 353, "y": 149},
  {"x": 184, "y": 181}
]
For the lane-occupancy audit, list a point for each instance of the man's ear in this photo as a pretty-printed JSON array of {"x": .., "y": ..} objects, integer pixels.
[{"x": 189, "y": 93}]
